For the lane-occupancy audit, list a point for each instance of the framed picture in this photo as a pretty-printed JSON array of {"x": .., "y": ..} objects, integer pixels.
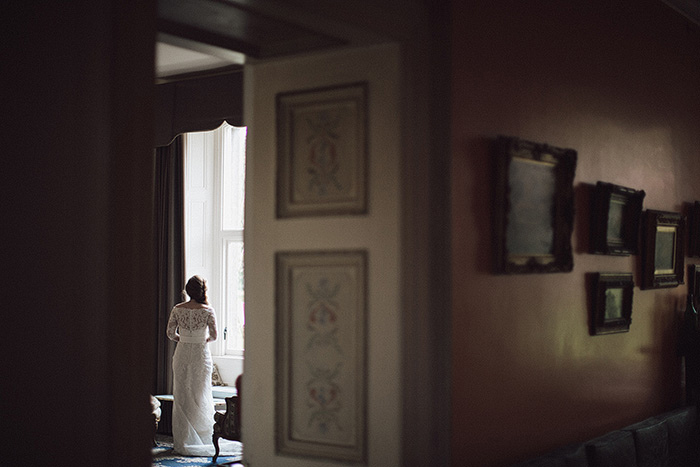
[
  {"x": 616, "y": 213},
  {"x": 322, "y": 152},
  {"x": 612, "y": 303},
  {"x": 321, "y": 373},
  {"x": 533, "y": 207},
  {"x": 694, "y": 229},
  {"x": 663, "y": 261},
  {"x": 694, "y": 281}
]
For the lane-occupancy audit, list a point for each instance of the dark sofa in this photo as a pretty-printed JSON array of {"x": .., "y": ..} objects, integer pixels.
[{"x": 668, "y": 440}]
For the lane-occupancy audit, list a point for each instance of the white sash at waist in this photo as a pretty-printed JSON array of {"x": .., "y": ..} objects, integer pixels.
[{"x": 193, "y": 339}]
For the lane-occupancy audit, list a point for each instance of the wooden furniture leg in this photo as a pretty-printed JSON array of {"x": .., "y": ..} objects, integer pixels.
[
  {"x": 228, "y": 425},
  {"x": 215, "y": 439}
]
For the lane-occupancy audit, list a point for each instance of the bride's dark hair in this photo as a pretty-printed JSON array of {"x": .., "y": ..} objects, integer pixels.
[{"x": 196, "y": 288}]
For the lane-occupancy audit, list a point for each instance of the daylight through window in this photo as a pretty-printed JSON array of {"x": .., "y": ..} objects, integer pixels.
[{"x": 214, "y": 222}]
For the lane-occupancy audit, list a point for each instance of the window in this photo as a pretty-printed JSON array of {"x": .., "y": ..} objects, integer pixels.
[{"x": 214, "y": 222}]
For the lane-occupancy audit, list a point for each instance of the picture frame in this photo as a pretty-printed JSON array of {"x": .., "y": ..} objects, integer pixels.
[
  {"x": 533, "y": 207},
  {"x": 663, "y": 249},
  {"x": 612, "y": 303},
  {"x": 694, "y": 229},
  {"x": 694, "y": 281},
  {"x": 322, "y": 151},
  {"x": 616, "y": 213},
  {"x": 321, "y": 377}
]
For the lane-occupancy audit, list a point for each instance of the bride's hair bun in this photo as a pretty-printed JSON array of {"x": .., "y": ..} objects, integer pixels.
[{"x": 196, "y": 288}]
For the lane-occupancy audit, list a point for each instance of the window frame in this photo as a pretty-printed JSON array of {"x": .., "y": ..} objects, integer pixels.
[{"x": 214, "y": 241}]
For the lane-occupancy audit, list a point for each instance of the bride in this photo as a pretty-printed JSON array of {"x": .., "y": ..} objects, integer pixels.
[{"x": 193, "y": 325}]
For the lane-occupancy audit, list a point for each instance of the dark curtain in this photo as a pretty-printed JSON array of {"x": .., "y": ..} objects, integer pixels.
[
  {"x": 170, "y": 246},
  {"x": 199, "y": 104}
]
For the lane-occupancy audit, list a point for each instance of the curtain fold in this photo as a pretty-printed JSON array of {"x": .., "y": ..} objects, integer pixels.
[{"x": 169, "y": 199}]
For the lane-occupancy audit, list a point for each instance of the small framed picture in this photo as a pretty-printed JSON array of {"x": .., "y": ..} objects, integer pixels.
[
  {"x": 533, "y": 207},
  {"x": 612, "y": 303},
  {"x": 616, "y": 213},
  {"x": 663, "y": 252},
  {"x": 322, "y": 152}
]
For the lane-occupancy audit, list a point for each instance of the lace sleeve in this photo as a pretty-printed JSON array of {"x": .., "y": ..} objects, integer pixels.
[
  {"x": 172, "y": 327},
  {"x": 211, "y": 323}
]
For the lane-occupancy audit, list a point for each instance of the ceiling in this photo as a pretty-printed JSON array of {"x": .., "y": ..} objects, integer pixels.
[
  {"x": 200, "y": 35},
  {"x": 173, "y": 60},
  {"x": 196, "y": 35}
]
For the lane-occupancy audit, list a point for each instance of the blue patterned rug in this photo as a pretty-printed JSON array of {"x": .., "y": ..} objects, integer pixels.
[{"x": 164, "y": 456}]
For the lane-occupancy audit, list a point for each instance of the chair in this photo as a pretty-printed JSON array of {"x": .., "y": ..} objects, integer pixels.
[
  {"x": 156, "y": 410},
  {"x": 227, "y": 425}
]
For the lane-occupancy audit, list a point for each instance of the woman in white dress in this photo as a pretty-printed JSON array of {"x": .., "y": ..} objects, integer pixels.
[{"x": 192, "y": 325}]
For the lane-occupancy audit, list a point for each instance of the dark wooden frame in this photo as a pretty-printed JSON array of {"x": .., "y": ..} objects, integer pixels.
[
  {"x": 694, "y": 281},
  {"x": 523, "y": 211},
  {"x": 607, "y": 237},
  {"x": 694, "y": 230},
  {"x": 654, "y": 275},
  {"x": 603, "y": 284}
]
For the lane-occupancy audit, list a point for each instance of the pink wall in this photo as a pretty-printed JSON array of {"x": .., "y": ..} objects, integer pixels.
[{"x": 620, "y": 83}]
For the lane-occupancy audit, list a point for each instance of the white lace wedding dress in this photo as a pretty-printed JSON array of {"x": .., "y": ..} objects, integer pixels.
[{"x": 193, "y": 405}]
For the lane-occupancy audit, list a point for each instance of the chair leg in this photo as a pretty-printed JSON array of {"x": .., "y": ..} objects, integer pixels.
[
  {"x": 155, "y": 432},
  {"x": 215, "y": 439}
]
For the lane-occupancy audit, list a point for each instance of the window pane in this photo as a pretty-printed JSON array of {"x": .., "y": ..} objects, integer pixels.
[
  {"x": 233, "y": 178},
  {"x": 235, "y": 300}
]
